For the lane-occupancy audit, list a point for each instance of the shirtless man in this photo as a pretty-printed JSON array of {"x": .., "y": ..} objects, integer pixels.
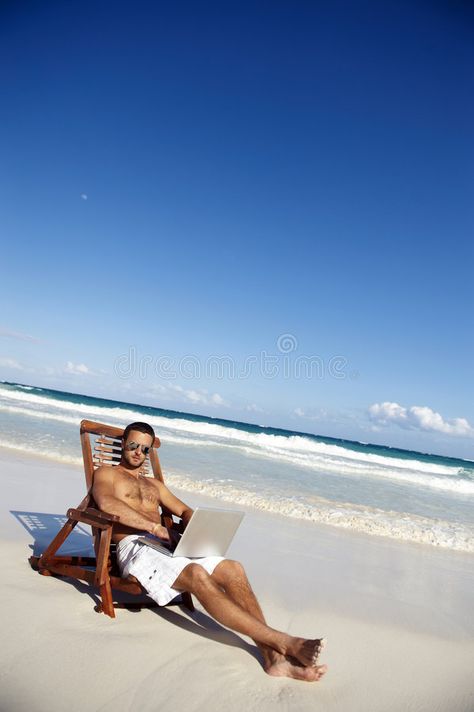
[{"x": 220, "y": 585}]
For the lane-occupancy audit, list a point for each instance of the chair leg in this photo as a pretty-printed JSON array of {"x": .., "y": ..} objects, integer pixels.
[
  {"x": 58, "y": 540},
  {"x": 107, "y": 605},
  {"x": 102, "y": 573}
]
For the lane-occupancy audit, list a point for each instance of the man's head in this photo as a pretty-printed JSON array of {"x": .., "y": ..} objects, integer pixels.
[{"x": 137, "y": 440}]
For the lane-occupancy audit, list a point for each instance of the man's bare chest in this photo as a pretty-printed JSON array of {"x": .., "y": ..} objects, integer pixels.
[{"x": 137, "y": 491}]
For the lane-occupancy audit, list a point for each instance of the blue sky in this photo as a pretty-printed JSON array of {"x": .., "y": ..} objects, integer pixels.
[{"x": 285, "y": 186}]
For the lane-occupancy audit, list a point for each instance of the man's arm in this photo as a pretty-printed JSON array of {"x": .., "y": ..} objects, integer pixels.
[
  {"x": 104, "y": 495},
  {"x": 175, "y": 505}
]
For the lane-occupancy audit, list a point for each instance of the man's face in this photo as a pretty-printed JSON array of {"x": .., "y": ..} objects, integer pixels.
[{"x": 134, "y": 456}]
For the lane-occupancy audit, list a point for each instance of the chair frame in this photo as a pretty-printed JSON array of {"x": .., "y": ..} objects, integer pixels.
[{"x": 101, "y": 571}]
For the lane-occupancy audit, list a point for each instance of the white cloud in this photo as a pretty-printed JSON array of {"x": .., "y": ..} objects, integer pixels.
[
  {"x": 19, "y": 336},
  {"x": 11, "y": 363},
  {"x": 385, "y": 412},
  {"x": 194, "y": 396},
  {"x": 217, "y": 399},
  {"x": 254, "y": 408},
  {"x": 313, "y": 414},
  {"x": 202, "y": 397},
  {"x": 78, "y": 369},
  {"x": 418, "y": 418}
]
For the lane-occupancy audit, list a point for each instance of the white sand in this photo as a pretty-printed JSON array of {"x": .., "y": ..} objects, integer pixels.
[{"x": 398, "y": 618}]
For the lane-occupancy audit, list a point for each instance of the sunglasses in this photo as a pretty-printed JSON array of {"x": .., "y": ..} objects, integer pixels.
[{"x": 134, "y": 446}]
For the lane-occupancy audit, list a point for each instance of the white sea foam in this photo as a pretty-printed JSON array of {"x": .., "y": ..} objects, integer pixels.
[
  {"x": 350, "y": 467},
  {"x": 295, "y": 450},
  {"x": 41, "y": 415},
  {"x": 47, "y": 402},
  {"x": 359, "y": 518},
  {"x": 36, "y": 451}
]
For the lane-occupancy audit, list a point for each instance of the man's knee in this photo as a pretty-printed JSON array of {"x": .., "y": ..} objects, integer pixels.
[
  {"x": 193, "y": 577},
  {"x": 231, "y": 569}
]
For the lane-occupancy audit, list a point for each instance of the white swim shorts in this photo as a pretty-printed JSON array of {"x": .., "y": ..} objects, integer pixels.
[{"x": 156, "y": 572}]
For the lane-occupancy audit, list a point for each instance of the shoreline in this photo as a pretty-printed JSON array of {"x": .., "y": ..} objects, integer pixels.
[
  {"x": 396, "y": 615},
  {"x": 356, "y": 519}
]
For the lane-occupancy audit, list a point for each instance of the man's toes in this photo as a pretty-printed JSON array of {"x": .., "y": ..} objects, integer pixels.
[
  {"x": 320, "y": 644},
  {"x": 290, "y": 667},
  {"x": 315, "y": 673},
  {"x": 320, "y": 671}
]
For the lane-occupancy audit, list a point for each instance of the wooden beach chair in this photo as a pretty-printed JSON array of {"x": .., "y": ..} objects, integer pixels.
[{"x": 102, "y": 570}]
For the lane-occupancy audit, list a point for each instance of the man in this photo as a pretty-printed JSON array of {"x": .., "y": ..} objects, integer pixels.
[{"x": 219, "y": 584}]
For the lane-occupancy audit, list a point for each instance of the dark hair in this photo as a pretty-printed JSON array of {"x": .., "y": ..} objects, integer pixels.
[{"x": 142, "y": 428}]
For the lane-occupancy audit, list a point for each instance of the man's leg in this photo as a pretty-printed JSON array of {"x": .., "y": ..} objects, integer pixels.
[
  {"x": 231, "y": 577},
  {"x": 221, "y": 607}
]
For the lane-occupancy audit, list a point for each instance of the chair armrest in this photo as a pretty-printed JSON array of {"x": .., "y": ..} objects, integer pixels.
[
  {"x": 102, "y": 515},
  {"x": 93, "y": 517}
]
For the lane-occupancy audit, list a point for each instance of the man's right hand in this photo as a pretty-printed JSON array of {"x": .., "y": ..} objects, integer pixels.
[{"x": 161, "y": 532}]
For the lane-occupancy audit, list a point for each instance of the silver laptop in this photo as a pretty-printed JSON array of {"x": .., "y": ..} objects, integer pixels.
[{"x": 209, "y": 533}]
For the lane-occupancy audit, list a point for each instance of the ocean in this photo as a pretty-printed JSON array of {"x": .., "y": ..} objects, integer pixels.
[{"x": 378, "y": 490}]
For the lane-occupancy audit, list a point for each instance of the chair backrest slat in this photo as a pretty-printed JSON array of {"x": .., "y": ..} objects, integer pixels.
[
  {"x": 115, "y": 442},
  {"x": 106, "y": 459},
  {"x": 101, "y": 449}
]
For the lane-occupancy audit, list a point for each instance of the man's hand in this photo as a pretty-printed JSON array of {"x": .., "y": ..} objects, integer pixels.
[
  {"x": 156, "y": 527},
  {"x": 160, "y": 532}
]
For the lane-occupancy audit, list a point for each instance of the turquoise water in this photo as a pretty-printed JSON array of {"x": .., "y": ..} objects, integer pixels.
[{"x": 378, "y": 490}]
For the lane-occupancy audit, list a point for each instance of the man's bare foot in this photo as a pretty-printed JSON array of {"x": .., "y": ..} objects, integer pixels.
[
  {"x": 281, "y": 666},
  {"x": 305, "y": 651}
]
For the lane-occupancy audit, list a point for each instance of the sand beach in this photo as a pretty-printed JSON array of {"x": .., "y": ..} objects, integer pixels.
[{"x": 397, "y": 616}]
